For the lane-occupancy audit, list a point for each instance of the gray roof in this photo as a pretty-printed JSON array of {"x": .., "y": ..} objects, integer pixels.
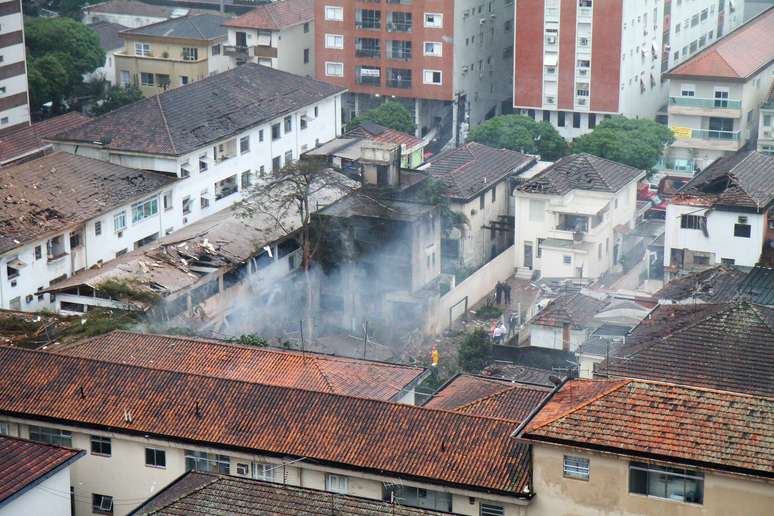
[
  {"x": 203, "y": 27},
  {"x": 108, "y": 35},
  {"x": 474, "y": 167},
  {"x": 716, "y": 285},
  {"x": 744, "y": 180},
  {"x": 582, "y": 172},
  {"x": 130, "y": 7},
  {"x": 360, "y": 205},
  {"x": 184, "y": 119},
  {"x": 758, "y": 286}
]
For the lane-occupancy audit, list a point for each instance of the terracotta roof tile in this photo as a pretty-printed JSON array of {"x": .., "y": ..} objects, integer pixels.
[
  {"x": 581, "y": 172},
  {"x": 716, "y": 285},
  {"x": 391, "y": 439},
  {"x": 738, "y": 55},
  {"x": 577, "y": 310},
  {"x": 30, "y": 139},
  {"x": 24, "y": 462},
  {"x": 275, "y": 16},
  {"x": 378, "y": 133},
  {"x": 464, "y": 388},
  {"x": 715, "y": 429},
  {"x": 338, "y": 375},
  {"x": 208, "y": 494}
]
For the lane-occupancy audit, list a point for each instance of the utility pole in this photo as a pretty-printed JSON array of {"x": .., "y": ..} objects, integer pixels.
[{"x": 365, "y": 337}]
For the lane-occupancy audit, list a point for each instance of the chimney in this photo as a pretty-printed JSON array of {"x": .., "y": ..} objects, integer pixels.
[{"x": 566, "y": 337}]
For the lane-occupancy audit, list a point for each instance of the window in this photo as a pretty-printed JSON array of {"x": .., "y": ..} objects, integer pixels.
[
  {"x": 727, "y": 261},
  {"x": 576, "y": 120},
  {"x": 100, "y": 445},
  {"x": 260, "y": 135},
  {"x": 242, "y": 469},
  {"x": 183, "y": 80},
  {"x": 244, "y": 145},
  {"x": 204, "y": 200},
  {"x": 101, "y": 504},
  {"x": 433, "y": 20},
  {"x": 167, "y": 200},
  {"x": 336, "y": 484},
  {"x": 432, "y": 77},
  {"x": 246, "y": 179},
  {"x": 306, "y": 28},
  {"x": 263, "y": 471},
  {"x": 276, "y": 131},
  {"x": 190, "y": 54},
  {"x": 592, "y": 120},
  {"x": 145, "y": 209},
  {"x": 146, "y": 79},
  {"x": 98, "y": 228},
  {"x": 186, "y": 205},
  {"x": 5, "y": 428},
  {"x": 288, "y": 124},
  {"x": 576, "y": 467},
  {"x": 146, "y": 240},
  {"x": 567, "y": 259},
  {"x": 481, "y": 202},
  {"x": 276, "y": 163},
  {"x": 125, "y": 78},
  {"x": 742, "y": 230},
  {"x": 334, "y": 69},
  {"x": 203, "y": 163},
  {"x": 288, "y": 157},
  {"x": 226, "y": 187},
  {"x": 433, "y": 48},
  {"x": 333, "y": 13},
  {"x": 155, "y": 458},
  {"x": 494, "y": 194},
  {"x": 693, "y": 222},
  {"x": 216, "y": 50},
  {"x": 53, "y": 436},
  {"x": 417, "y": 497},
  {"x": 334, "y": 41},
  {"x": 671, "y": 483},
  {"x": 142, "y": 49},
  {"x": 208, "y": 462},
  {"x": 162, "y": 80},
  {"x": 700, "y": 259},
  {"x": 487, "y": 509},
  {"x": 560, "y": 121},
  {"x": 119, "y": 221},
  {"x": 38, "y": 252}
]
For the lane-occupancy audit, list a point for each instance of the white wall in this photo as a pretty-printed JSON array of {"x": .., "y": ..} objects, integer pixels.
[
  {"x": 552, "y": 337},
  {"x": 50, "y": 497},
  {"x": 127, "y": 20},
  {"x": 290, "y": 44},
  {"x": 476, "y": 242}
]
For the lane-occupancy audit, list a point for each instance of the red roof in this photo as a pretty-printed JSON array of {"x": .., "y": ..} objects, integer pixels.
[
  {"x": 378, "y": 133},
  {"x": 738, "y": 55},
  {"x": 30, "y": 139},
  {"x": 662, "y": 421},
  {"x": 380, "y": 437},
  {"x": 23, "y": 463},
  {"x": 337, "y": 375},
  {"x": 275, "y": 16}
]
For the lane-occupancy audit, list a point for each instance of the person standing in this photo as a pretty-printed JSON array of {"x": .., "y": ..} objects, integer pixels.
[
  {"x": 498, "y": 293},
  {"x": 507, "y": 292}
]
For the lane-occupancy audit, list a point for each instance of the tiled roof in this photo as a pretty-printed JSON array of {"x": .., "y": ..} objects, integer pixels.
[
  {"x": 582, "y": 172},
  {"x": 184, "y": 119},
  {"x": 49, "y": 194},
  {"x": 464, "y": 388},
  {"x": 474, "y": 167},
  {"x": 25, "y": 463},
  {"x": 275, "y": 16},
  {"x": 130, "y": 7},
  {"x": 714, "y": 429},
  {"x": 758, "y": 286},
  {"x": 738, "y": 55},
  {"x": 378, "y": 133},
  {"x": 337, "y": 375},
  {"x": 745, "y": 180},
  {"x": 204, "y": 27},
  {"x": 577, "y": 310},
  {"x": 390, "y": 439},
  {"x": 108, "y": 35},
  {"x": 722, "y": 346},
  {"x": 208, "y": 494},
  {"x": 30, "y": 139},
  {"x": 716, "y": 285}
]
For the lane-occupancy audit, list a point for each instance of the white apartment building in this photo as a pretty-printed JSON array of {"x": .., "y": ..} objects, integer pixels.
[
  {"x": 571, "y": 217},
  {"x": 765, "y": 142},
  {"x": 14, "y": 97},
  {"x": 714, "y": 97},
  {"x": 722, "y": 216},
  {"x": 279, "y": 35},
  {"x": 592, "y": 59}
]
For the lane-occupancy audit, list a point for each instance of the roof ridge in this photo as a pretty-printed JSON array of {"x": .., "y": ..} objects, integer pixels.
[
  {"x": 506, "y": 390},
  {"x": 166, "y": 126},
  {"x": 189, "y": 19},
  {"x": 619, "y": 384},
  {"x": 322, "y": 375},
  {"x": 176, "y": 499},
  {"x": 703, "y": 389}
]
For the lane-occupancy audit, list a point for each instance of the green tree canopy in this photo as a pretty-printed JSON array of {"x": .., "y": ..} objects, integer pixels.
[
  {"x": 74, "y": 46},
  {"x": 635, "y": 142},
  {"x": 521, "y": 133},
  {"x": 475, "y": 351},
  {"x": 390, "y": 114},
  {"x": 116, "y": 96}
]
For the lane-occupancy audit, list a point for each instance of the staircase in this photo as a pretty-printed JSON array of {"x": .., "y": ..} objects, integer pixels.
[{"x": 524, "y": 273}]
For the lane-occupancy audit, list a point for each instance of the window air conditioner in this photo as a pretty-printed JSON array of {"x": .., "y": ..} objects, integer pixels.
[{"x": 742, "y": 220}]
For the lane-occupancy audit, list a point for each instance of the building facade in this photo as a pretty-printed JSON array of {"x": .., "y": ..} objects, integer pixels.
[
  {"x": 447, "y": 62},
  {"x": 577, "y": 62},
  {"x": 279, "y": 35},
  {"x": 765, "y": 142},
  {"x": 14, "y": 96}
]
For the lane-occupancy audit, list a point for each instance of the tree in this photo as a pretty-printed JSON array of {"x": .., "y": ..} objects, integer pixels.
[
  {"x": 390, "y": 114},
  {"x": 521, "y": 133},
  {"x": 116, "y": 96},
  {"x": 74, "y": 46},
  {"x": 287, "y": 201},
  {"x": 635, "y": 142},
  {"x": 475, "y": 351}
]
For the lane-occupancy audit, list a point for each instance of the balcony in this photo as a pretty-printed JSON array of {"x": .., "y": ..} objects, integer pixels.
[
  {"x": 403, "y": 84},
  {"x": 399, "y": 27},
  {"x": 695, "y": 106},
  {"x": 708, "y": 139},
  {"x": 370, "y": 53},
  {"x": 246, "y": 52}
]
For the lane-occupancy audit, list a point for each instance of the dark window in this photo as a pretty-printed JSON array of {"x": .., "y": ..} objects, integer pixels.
[
  {"x": 560, "y": 121},
  {"x": 155, "y": 458},
  {"x": 671, "y": 483},
  {"x": 306, "y": 27},
  {"x": 101, "y": 504},
  {"x": 700, "y": 259},
  {"x": 38, "y": 252},
  {"x": 531, "y": 113},
  {"x": 98, "y": 228},
  {"x": 742, "y": 230},
  {"x": 481, "y": 201},
  {"x": 727, "y": 261},
  {"x": 53, "y": 436},
  {"x": 494, "y": 194},
  {"x": 208, "y": 462},
  {"x": 276, "y": 132},
  {"x": 592, "y": 120},
  {"x": 244, "y": 144},
  {"x": 276, "y": 164},
  {"x": 75, "y": 240},
  {"x": 306, "y": 55},
  {"x": 693, "y": 222},
  {"x": 260, "y": 135},
  {"x": 100, "y": 445},
  {"x": 576, "y": 120},
  {"x": 547, "y": 116},
  {"x": 288, "y": 124}
]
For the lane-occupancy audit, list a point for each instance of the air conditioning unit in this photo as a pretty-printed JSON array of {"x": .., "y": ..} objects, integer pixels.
[
  {"x": 581, "y": 101},
  {"x": 551, "y": 40},
  {"x": 482, "y": 21},
  {"x": 465, "y": 69},
  {"x": 742, "y": 220}
]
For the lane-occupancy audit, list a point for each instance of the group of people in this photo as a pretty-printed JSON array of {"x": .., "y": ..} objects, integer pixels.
[
  {"x": 500, "y": 332},
  {"x": 503, "y": 293}
]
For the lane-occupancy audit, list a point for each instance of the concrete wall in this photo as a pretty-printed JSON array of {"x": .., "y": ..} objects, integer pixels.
[
  {"x": 290, "y": 50},
  {"x": 475, "y": 287},
  {"x": 127, "y": 20},
  {"x": 51, "y": 497},
  {"x": 552, "y": 337},
  {"x": 606, "y": 491}
]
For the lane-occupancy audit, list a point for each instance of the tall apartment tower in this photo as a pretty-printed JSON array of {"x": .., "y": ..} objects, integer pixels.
[
  {"x": 577, "y": 61},
  {"x": 448, "y": 61},
  {"x": 14, "y": 97}
]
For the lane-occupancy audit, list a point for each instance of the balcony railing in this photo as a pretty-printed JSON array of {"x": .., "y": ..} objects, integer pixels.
[
  {"x": 399, "y": 55},
  {"x": 368, "y": 80},
  {"x": 709, "y": 134},
  {"x": 705, "y": 103},
  {"x": 368, "y": 25},
  {"x": 404, "y": 84},
  {"x": 368, "y": 52},
  {"x": 399, "y": 27}
]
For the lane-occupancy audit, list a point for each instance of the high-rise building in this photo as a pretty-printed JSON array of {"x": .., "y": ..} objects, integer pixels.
[
  {"x": 578, "y": 61},
  {"x": 449, "y": 62},
  {"x": 14, "y": 97}
]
